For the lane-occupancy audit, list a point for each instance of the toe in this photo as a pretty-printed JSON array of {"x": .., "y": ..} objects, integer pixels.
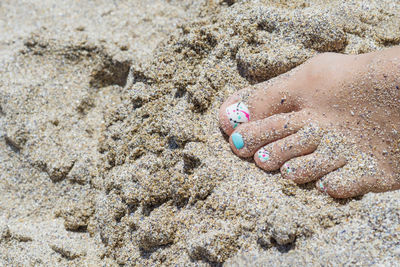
[
  {"x": 233, "y": 108},
  {"x": 272, "y": 156},
  {"x": 249, "y": 137},
  {"x": 255, "y": 103},
  {"x": 310, "y": 167},
  {"x": 350, "y": 182},
  {"x": 339, "y": 184}
]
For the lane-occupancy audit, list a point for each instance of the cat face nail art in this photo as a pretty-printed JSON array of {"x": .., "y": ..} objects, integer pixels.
[
  {"x": 263, "y": 155},
  {"x": 238, "y": 113}
]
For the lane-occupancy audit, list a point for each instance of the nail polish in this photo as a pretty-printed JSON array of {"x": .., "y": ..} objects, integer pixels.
[
  {"x": 263, "y": 155},
  {"x": 238, "y": 113},
  {"x": 237, "y": 140},
  {"x": 288, "y": 169},
  {"x": 321, "y": 186}
]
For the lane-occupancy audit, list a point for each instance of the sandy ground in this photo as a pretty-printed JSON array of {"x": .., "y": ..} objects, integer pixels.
[{"x": 109, "y": 143}]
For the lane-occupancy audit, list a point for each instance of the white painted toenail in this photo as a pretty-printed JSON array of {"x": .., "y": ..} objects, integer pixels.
[
  {"x": 237, "y": 113},
  {"x": 263, "y": 155}
]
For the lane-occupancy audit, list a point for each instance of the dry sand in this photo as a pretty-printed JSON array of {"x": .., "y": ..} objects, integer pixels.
[{"x": 110, "y": 149}]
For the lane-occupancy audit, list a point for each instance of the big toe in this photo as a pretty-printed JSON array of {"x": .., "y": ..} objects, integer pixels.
[{"x": 255, "y": 103}]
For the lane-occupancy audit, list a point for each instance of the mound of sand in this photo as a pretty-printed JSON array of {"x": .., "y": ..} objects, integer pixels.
[{"x": 110, "y": 112}]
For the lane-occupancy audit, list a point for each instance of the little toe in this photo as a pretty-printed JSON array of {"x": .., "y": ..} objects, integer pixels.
[
  {"x": 310, "y": 167},
  {"x": 339, "y": 184},
  {"x": 349, "y": 182},
  {"x": 249, "y": 137},
  {"x": 272, "y": 156}
]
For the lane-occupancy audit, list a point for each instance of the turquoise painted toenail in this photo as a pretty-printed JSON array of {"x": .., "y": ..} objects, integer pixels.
[
  {"x": 322, "y": 186},
  {"x": 237, "y": 140}
]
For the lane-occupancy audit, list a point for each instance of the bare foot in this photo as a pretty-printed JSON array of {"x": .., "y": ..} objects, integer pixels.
[{"x": 334, "y": 120}]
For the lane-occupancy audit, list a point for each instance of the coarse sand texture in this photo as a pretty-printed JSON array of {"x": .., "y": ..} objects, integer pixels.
[{"x": 110, "y": 147}]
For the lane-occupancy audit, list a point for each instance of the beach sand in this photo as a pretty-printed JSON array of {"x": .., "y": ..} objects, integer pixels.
[{"x": 110, "y": 148}]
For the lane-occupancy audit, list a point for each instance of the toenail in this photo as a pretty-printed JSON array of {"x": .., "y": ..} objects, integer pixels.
[
  {"x": 237, "y": 140},
  {"x": 288, "y": 169},
  {"x": 321, "y": 186},
  {"x": 263, "y": 155},
  {"x": 237, "y": 113}
]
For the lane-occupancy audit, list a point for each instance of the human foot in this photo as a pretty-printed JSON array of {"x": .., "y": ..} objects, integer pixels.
[{"x": 335, "y": 120}]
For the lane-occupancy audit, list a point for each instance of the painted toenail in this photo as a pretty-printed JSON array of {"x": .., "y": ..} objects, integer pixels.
[
  {"x": 321, "y": 186},
  {"x": 288, "y": 169},
  {"x": 263, "y": 155},
  {"x": 237, "y": 140},
  {"x": 237, "y": 113}
]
